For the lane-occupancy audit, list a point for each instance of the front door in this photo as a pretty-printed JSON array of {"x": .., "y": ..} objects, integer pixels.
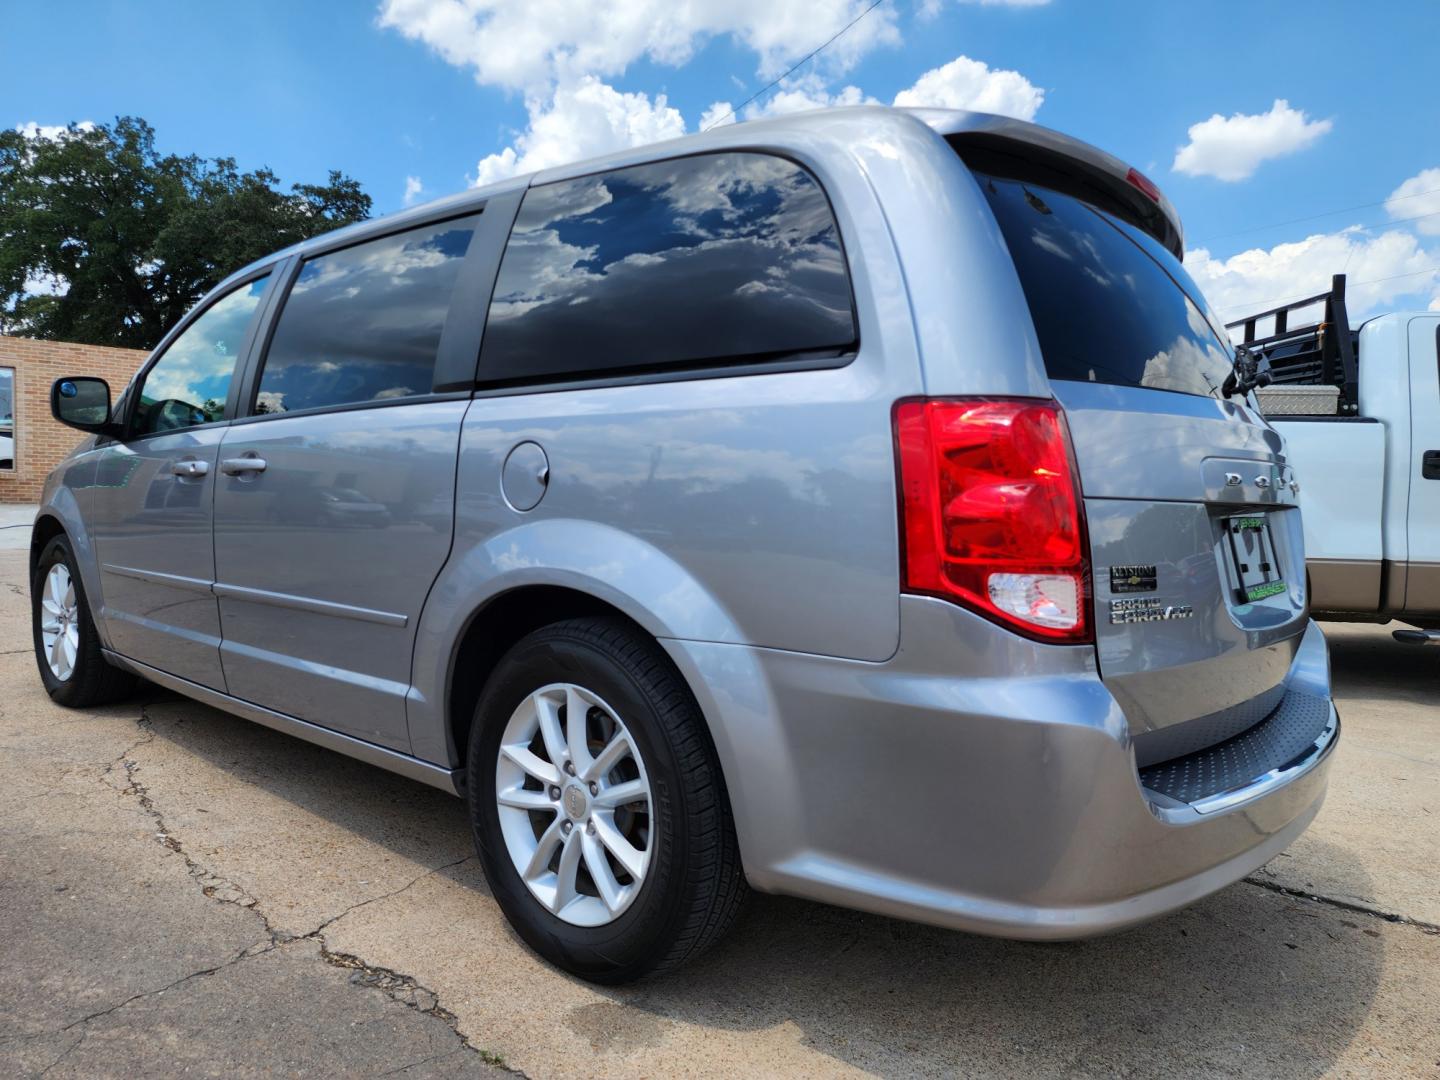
[
  {"x": 335, "y": 500},
  {"x": 154, "y": 492}
]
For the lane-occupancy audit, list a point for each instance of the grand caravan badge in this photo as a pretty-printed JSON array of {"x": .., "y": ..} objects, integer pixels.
[{"x": 1147, "y": 609}]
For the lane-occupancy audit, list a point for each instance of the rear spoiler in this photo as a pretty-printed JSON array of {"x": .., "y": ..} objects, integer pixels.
[
  {"x": 1312, "y": 355},
  {"x": 1017, "y": 150}
]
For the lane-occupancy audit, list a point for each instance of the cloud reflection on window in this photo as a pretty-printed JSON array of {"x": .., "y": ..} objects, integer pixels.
[
  {"x": 1108, "y": 303},
  {"x": 364, "y": 323},
  {"x": 189, "y": 383},
  {"x": 715, "y": 258}
]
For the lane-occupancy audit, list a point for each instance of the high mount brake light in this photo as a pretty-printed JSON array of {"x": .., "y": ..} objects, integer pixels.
[
  {"x": 1135, "y": 178},
  {"x": 990, "y": 512}
]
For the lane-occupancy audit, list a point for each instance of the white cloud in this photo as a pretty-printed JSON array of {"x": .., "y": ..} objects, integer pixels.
[
  {"x": 1420, "y": 195},
  {"x": 717, "y": 115},
  {"x": 581, "y": 118},
  {"x": 961, "y": 84},
  {"x": 796, "y": 94},
  {"x": 1383, "y": 270},
  {"x": 413, "y": 190},
  {"x": 586, "y": 117},
  {"x": 560, "y": 54},
  {"x": 970, "y": 84},
  {"x": 1231, "y": 148},
  {"x": 34, "y": 130},
  {"x": 804, "y": 92},
  {"x": 530, "y": 44}
]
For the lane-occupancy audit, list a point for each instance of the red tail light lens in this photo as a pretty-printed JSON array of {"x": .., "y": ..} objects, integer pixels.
[{"x": 991, "y": 514}]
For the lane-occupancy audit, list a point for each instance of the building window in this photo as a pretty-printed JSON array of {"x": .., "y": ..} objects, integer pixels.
[{"x": 7, "y": 418}]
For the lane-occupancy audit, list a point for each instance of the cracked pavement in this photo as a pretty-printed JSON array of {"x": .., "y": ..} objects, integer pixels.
[{"x": 182, "y": 892}]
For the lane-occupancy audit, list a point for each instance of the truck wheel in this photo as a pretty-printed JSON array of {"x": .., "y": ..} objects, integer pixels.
[
  {"x": 599, "y": 811},
  {"x": 67, "y": 649}
]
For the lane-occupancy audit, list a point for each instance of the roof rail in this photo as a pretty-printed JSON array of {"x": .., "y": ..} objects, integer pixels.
[{"x": 1333, "y": 341}]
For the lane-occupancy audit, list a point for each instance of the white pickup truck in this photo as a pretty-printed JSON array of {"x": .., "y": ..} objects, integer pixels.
[{"x": 1360, "y": 412}]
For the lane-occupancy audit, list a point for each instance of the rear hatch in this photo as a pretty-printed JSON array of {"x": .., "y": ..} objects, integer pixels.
[{"x": 1195, "y": 540}]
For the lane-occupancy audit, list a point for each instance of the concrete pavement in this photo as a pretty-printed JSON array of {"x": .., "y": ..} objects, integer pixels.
[
  {"x": 181, "y": 891},
  {"x": 15, "y": 522}
]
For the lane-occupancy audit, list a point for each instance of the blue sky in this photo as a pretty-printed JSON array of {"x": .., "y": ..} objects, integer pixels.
[{"x": 426, "y": 96}]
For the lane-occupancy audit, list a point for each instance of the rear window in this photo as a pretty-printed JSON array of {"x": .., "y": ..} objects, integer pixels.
[
  {"x": 1110, "y": 305},
  {"x": 700, "y": 262}
]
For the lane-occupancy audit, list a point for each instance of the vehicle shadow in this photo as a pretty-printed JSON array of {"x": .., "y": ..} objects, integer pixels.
[
  {"x": 1247, "y": 979},
  {"x": 1366, "y": 661}
]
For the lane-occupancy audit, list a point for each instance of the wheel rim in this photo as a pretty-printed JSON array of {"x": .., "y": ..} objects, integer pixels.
[
  {"x": 59, "y": 622},
  {"x": 575, "y": 804}
]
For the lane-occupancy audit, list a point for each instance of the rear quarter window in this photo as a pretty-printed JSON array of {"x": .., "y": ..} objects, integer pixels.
[
  {"x": 1109, "y": 304},
  {"x": 705, "y": 261}
]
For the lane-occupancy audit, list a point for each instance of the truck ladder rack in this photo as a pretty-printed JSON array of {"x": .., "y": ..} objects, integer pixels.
[{"x": 1322, "y": 355}]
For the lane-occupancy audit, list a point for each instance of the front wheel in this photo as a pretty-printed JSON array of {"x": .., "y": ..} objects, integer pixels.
[
  {"x": 67, "y": 648},
  {"x": 599, "y": 810}
]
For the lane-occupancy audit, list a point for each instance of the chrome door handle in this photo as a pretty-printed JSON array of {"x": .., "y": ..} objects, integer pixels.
[
  {"x": 239, "y": 465},
  {"x": 190, "y": 468}
]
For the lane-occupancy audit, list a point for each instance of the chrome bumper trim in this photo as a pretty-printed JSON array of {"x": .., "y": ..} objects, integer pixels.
[{"x": 1263, "y": 785}]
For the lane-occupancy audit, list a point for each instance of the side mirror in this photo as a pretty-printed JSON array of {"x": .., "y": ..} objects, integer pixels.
[{"x": 83, "y": 402}]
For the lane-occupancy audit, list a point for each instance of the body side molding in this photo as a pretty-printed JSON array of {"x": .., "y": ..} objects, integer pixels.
[
  {"x": 262, "y": 596},
  {"x": 305, "y": 603},
  {"x": 175, "y": 581}
]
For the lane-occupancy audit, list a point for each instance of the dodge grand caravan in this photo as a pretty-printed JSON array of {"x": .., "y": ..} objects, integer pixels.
[{"x": 849, "y": 505}]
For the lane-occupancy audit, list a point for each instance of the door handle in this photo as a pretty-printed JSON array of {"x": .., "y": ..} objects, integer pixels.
[
  {"x": 190, "y": 468},
  {"x": 1430, "y": 465},
  {"x": 239, "y": 465}
]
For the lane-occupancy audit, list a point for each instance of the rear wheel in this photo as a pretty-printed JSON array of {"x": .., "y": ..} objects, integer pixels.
[
  {"x": 67, "y": 648},
  {"x": 597, "y": 802}
]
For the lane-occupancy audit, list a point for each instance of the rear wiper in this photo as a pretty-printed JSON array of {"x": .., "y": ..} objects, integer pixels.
[{"x": 1249, "y": 372}]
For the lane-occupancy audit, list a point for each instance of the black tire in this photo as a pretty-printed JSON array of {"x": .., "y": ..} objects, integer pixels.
[
  {"x": 93, "y": 680},
  {"x": 695, "y": 885}
]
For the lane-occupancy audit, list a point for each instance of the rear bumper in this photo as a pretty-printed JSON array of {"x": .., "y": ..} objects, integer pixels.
[{"x": 930, "y": 788}]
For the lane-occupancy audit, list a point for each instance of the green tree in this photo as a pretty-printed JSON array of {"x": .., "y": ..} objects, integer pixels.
[{"x": 104, "y": 240}]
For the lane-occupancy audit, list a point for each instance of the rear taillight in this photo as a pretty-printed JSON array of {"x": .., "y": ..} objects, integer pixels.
[{"x": 990, "y": 511}]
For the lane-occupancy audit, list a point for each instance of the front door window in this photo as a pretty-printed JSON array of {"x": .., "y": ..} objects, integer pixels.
[{"x": 189, "y": 384}]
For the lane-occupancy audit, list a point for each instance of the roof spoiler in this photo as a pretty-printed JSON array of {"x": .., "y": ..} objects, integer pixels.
[{"x": 1018, "y": 150}]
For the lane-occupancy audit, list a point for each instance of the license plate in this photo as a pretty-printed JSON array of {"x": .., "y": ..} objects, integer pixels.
[{"x": 1252, "y": 551}]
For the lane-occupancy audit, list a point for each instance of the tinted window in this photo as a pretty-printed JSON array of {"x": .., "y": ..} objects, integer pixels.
[
  {"x": 189, "y": 383},
  {"x": 363, "y": 323},
  {"x": 723, "y": 258},
  {"x": 1110, "y": 305}
]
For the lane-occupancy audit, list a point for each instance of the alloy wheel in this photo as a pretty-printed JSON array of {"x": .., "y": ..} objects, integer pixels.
[
  {"x": 59, "y": 622},
  {"x": 575, "y": 804}
]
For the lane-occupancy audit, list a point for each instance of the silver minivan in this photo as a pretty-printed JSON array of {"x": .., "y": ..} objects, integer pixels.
[{"x": 858, "y": 505}]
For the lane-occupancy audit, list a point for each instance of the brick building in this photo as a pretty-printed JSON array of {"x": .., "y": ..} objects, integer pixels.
[{"x": 27, "y": 368}]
